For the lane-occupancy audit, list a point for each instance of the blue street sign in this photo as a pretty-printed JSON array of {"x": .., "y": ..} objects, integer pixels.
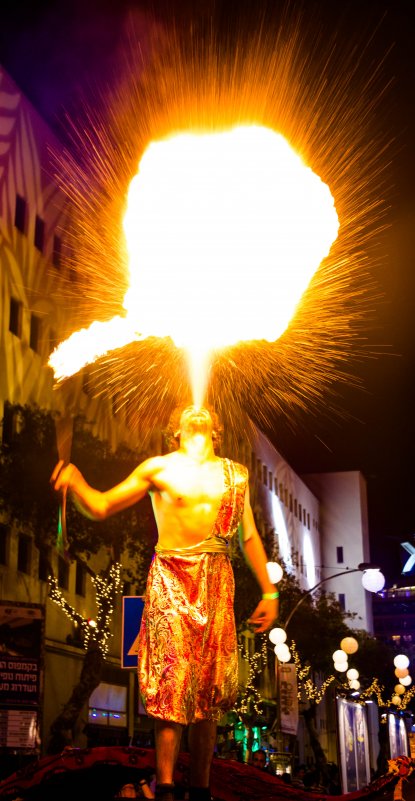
[{"x": 132, "y": 611}]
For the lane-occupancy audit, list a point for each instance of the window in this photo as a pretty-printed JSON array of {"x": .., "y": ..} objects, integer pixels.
[
  {"x": 4, "y": 543},
  {"x": 276, "y": 485},
  {"x": 80, "y": 579},
  {"x": 295, "y": 507},
  {"x": 20, "y": 214},
  {"x": 23, "y": 553},
  {"x": 291, "y": 502},
  {"x": 15, "y": 317},
  {"x": 108, "y": 705},
  {"x": 63, "y": 573},
  {"x": 339, "y": 554},
  {"x": 57, "y": 251},
  {"x": 265, "y": 475},
  {"x": 282, "y": 491},
  {"x": 300, "y": 512},
  {"x": 270, "y": 480},
  {"x": 39, "y": 233},
  {"x": 35, "y": 332},
  {"x": 258, "y": 467},
  {"x": 342, "y": 601},
  {"x": 308, "y": 521},
  {"x": 9, "y": 424},
  {"x": 43, "y": 566},
  {"x": 304, "y": 516}
]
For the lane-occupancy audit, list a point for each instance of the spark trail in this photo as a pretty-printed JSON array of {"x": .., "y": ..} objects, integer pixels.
[{"x": 322, "y": 99}]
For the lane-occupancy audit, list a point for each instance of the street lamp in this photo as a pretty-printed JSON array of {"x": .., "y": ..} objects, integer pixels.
[{"x": 369, "y": 571}]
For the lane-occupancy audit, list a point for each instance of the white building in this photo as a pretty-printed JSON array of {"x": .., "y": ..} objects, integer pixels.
[{"x": 320, "y": 523}]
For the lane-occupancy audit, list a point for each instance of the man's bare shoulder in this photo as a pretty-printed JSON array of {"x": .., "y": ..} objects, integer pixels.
[
  {"x": 153, "y": 465},
  {"x": 240, "y": 470}
]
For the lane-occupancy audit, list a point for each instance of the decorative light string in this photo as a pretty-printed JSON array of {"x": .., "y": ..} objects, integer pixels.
[
  {"x": 251, "y": 698},
  {"x": 106, "y": 589},
  {"x": 306, "y": 685}
]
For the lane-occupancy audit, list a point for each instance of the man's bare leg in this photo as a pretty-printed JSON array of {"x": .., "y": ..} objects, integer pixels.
[
  {"x": 202, "y": 738},
  {"x": 167, "y": 737}
]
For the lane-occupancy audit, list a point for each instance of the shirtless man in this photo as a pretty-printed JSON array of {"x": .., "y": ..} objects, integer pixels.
[{"x": 188, "y": 659}]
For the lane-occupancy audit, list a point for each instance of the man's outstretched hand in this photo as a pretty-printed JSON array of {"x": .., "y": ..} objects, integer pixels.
[
  {"x": 62, "y": 476},
  {"x": 264, "y": 616}
]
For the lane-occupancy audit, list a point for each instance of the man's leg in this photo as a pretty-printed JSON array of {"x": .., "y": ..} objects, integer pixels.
[
  {"x": 167, "y": 737},
  {"x": 202, "y": 738}
]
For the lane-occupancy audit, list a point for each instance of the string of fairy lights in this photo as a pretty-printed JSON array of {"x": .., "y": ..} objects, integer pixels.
[
  {"x": 251, "y": 699},
  {"x": 94, "y": 631}
]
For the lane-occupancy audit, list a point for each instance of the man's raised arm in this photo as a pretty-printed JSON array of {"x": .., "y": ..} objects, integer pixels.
[
  {"x": 99, "y": 505},
  {"x": 253, "y": 550}
]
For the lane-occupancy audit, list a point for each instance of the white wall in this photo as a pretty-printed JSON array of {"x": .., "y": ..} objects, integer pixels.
[
  {"x": 298, "y": 540},
  {"x": 344, "y": 524}
]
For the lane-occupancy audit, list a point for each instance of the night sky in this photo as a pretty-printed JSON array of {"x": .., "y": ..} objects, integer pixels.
[{"x": 51, "y": 49}]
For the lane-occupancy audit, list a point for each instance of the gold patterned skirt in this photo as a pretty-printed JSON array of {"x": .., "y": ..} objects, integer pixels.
[{"x": 188, "y": 657}]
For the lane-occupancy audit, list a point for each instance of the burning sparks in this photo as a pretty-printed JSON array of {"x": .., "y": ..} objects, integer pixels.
[
  {"x": 224, "y": 232},
  {"x": 221, "y": 247}
]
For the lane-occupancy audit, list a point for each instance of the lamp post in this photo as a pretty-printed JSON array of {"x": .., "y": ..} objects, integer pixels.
[{"x": 367, "y": 568}]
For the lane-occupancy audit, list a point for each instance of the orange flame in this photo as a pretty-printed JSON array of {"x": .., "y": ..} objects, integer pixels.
[{"x": 224, "y": 232}]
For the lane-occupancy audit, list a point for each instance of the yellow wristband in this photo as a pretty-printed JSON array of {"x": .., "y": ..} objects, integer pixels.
[{"x": 270, "y": 596}]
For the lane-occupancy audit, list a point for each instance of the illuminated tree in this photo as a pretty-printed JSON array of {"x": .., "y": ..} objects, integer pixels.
[{"x": 27, "y": 456}]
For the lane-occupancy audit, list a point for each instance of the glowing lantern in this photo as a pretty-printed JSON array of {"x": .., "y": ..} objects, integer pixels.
[
  {"x": 406, "y": 681},
  {"x": 340, "y": 666},
  {"x": 396, "y": 700},
  {"x": 339, "y": 656},
  {"x": 401, "y": 672},
  {"x": 373, "y": 580},
  {"x": 282, "y": 651},
  {"x": 275, "y": 572},
  {"x": 354, "y": 684},
  {"x": 277, "y": 636},
  {"x": 399, "y": 689},
  {"x": 349, "y": 645},
  {"x": 401, "y": 661},
  {"x": 352, "y": 673}
]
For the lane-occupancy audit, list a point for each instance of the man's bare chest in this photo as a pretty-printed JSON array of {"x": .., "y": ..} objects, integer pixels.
[{"x": 188, "y": 485}]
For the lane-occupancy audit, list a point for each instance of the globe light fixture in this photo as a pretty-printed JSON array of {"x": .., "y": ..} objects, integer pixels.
[
  {"x": 349, "y": 645},
  {"x": 282, "y": 651},
  {"x": 340, "y": 666},
  {"x": 396, "y": 700},
  {"x": 406, "y": 681},
  {"x": 373, "y": 580},
  {"x": 277, "y": 636},
  {"x": 399, "y": 689},
  {"x": 354, "y": 684},
  {"x": 275, "y": 572},
  {"x": 401, "y": 661},
  {"x": 340, "y": 656},
  {"x": 401, "y": 672},
  {"x": 352, "y": 674}
]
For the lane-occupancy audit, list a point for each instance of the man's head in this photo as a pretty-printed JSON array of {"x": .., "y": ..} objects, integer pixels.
[
  {"x": 193, "y": 420},
  {"x": 259, "y": 759}
]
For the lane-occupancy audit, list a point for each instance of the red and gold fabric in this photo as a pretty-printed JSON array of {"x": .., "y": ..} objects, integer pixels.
[{"x": 188, "y": 658}]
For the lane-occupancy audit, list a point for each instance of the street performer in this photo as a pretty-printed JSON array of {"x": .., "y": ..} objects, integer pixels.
[{"x": 188, "y": 658}]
